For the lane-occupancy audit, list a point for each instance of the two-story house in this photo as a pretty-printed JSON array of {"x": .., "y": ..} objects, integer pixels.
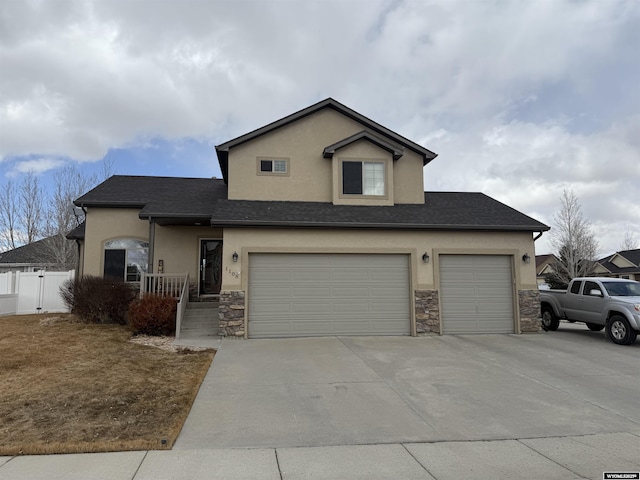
[{"x": 321, "y": 226}]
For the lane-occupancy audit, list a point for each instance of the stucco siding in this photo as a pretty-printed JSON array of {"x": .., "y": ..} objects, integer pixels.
[
  {"x": 247, "y": 240},
  {"x": 104, "y": 224},
  {"x": 310, "y": 177},
  {"x": 179, "y": 248}
]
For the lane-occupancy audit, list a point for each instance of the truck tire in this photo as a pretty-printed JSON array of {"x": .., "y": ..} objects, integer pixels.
[
  {"x": 549, "y": 319},
  {"x": 594, "y": 327},
  {"x": 619, "y": 330}
]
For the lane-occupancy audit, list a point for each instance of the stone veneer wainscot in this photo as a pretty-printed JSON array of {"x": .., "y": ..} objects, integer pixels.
[
  {"x": 427, "y": 312},
  {"x": 529, "y": 305},
  {"x": 231, "y": 314}
]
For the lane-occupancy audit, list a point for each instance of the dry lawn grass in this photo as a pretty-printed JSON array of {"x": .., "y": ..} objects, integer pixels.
[{"x": 68, "y": 387}]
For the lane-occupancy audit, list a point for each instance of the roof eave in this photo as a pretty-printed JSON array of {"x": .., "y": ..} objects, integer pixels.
[
  {"x": 108, "y": 204},
  {"x": 387, "y": 226}
]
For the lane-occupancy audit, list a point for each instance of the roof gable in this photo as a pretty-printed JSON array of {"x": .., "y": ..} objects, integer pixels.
[
  {"x": 620, "y": 261},
  {"x": 395, "y": 150},
  {"x": 382, "y": 132},
  {"x": 625, "y": 261}
]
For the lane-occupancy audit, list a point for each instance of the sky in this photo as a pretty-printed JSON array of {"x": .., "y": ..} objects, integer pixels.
[{"x": 520, "y": 99}]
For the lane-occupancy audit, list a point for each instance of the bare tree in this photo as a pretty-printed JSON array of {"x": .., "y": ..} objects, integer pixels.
[
  {"x": 574, "y": 242},
  {"x": 630, "y": 242},
  {"x": 8, "y": 216},
  {"x": 69, "y": 183},
  {"x": 107, "y": 168},
  {"x": 31, "y": 210}
]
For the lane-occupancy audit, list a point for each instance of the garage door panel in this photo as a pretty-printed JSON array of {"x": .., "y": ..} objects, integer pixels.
[
  {"x": 310, "y": 277},
  {"x": 327, "y": 294},
  {"x": 492, "y": 292},
  {"x": 278, "y": 291},
  {"x": 385, "y": 293},
  {"x": 274, "y": 276},
  {"x": 348, "y": 276},
  {"x": 309, "y": 308},
  {"x": 350, "y": 292},
  {"x": 476, "y": 294},
  {"x": 306, "y": 291}
]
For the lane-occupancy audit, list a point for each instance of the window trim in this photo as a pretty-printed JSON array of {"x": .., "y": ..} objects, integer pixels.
[
  {"x": 126, "y": 255},
  {"x": 385, "y": 175},
  {"x": 273, "y": 173}
]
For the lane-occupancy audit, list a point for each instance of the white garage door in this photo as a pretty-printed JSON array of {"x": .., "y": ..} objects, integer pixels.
[
  {"x": 302, "y": 295},
  {"x": 476, "y": 294}
]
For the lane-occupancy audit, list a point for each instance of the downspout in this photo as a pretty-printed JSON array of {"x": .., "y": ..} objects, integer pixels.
[
  {"x": 152, "y": 236},
  {"x": 78, "y": 273},
  {"x": 80, "y": 261},
  {"x": 537, "y": 237}
]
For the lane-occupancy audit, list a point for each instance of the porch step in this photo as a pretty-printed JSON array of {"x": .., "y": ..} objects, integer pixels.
[
  {"x": 203, "y": 305},
  {"x": 200, "y": 319},
  {"x": 206, "y": 299}
]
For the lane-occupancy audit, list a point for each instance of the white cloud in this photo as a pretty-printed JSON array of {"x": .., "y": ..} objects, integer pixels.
[
  {"x": 37, "y": 166},
  {"x": 518, "y": 98},
  {"x": 527, "y": 166}
]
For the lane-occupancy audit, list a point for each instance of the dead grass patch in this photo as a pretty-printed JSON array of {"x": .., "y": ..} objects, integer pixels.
[{"x": 68, "y": 387}]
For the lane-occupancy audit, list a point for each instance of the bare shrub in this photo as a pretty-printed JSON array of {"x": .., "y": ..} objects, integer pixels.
[
  {"x": 153, "y": 315},
  {"x": 97, "y": 300}
]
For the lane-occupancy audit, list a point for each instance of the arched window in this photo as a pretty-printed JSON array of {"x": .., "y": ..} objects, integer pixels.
[{"x": 125, "y": 259}]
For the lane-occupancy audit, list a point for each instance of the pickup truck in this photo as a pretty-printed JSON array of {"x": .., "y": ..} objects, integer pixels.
[{"x": 610, "y": 303}]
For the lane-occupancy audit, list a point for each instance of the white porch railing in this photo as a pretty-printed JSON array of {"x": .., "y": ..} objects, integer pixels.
[
  {"x": 168, "y": 285},
  {"x": 163, "y": 284},
  {"x": 182, "y": 305}
]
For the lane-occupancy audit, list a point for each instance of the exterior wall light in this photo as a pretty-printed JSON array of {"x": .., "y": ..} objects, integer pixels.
[
  {"x": 425, "y": 257},
  {"x": 526, "y": 258},
  {"x": 235, "y": 257}
]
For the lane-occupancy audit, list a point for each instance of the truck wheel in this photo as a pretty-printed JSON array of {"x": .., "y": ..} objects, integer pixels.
[
  {"x": 619, "y": 331},
  {"x": 594, "y": 327},
  {"x": 549, "y": 320}
]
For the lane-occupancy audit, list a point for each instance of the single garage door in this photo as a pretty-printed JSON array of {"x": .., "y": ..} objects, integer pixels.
[
  {"x": 303, "y": 295},
  {"x": 476, "y": 294}
]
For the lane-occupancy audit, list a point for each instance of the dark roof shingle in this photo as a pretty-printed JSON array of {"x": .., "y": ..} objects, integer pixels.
[
  {"x": 441, "y": 211},
  {"x": 631, "y": 255},
  {"x": 37, "y": 253},
  {"x": 170, "y": 200},
  {"x": 183, "y": 194}
]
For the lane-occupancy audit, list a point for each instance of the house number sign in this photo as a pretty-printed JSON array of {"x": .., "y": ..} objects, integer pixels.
[{"x": 233, "y": 273}]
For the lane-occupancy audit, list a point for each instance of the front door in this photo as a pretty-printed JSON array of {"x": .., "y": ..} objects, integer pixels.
[{"x": 210, "y": 267}]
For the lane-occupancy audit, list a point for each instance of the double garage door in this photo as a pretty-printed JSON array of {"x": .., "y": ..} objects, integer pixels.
[{"x": 303, "y": 295}]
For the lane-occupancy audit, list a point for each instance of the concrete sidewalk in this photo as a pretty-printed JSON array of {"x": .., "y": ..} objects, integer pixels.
[{"x": 575, "y": 457}]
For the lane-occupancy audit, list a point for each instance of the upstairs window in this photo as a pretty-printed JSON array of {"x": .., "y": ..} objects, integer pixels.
[
  {"x": 363, "y": 178},
  {"x": 125, "y": 259},
  {"x": 272, "y": 166}
]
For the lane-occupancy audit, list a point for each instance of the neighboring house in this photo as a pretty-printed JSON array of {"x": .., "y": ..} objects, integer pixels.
[
  {"x": 321, "y": 226},
  {"x": 624, "y": 264},
  {"x": 39, "y": 255},
  {"x": 544, "y": 266}
]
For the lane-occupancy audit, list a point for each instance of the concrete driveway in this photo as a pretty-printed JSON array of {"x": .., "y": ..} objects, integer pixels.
[{"x": 380, "y": 390}]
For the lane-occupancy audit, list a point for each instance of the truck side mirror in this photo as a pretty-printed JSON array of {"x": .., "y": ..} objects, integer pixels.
[{"x": 596, "y": 293}]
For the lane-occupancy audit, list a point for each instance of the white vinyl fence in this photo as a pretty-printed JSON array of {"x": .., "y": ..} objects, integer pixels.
[{"x": 32, "y": 292}]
